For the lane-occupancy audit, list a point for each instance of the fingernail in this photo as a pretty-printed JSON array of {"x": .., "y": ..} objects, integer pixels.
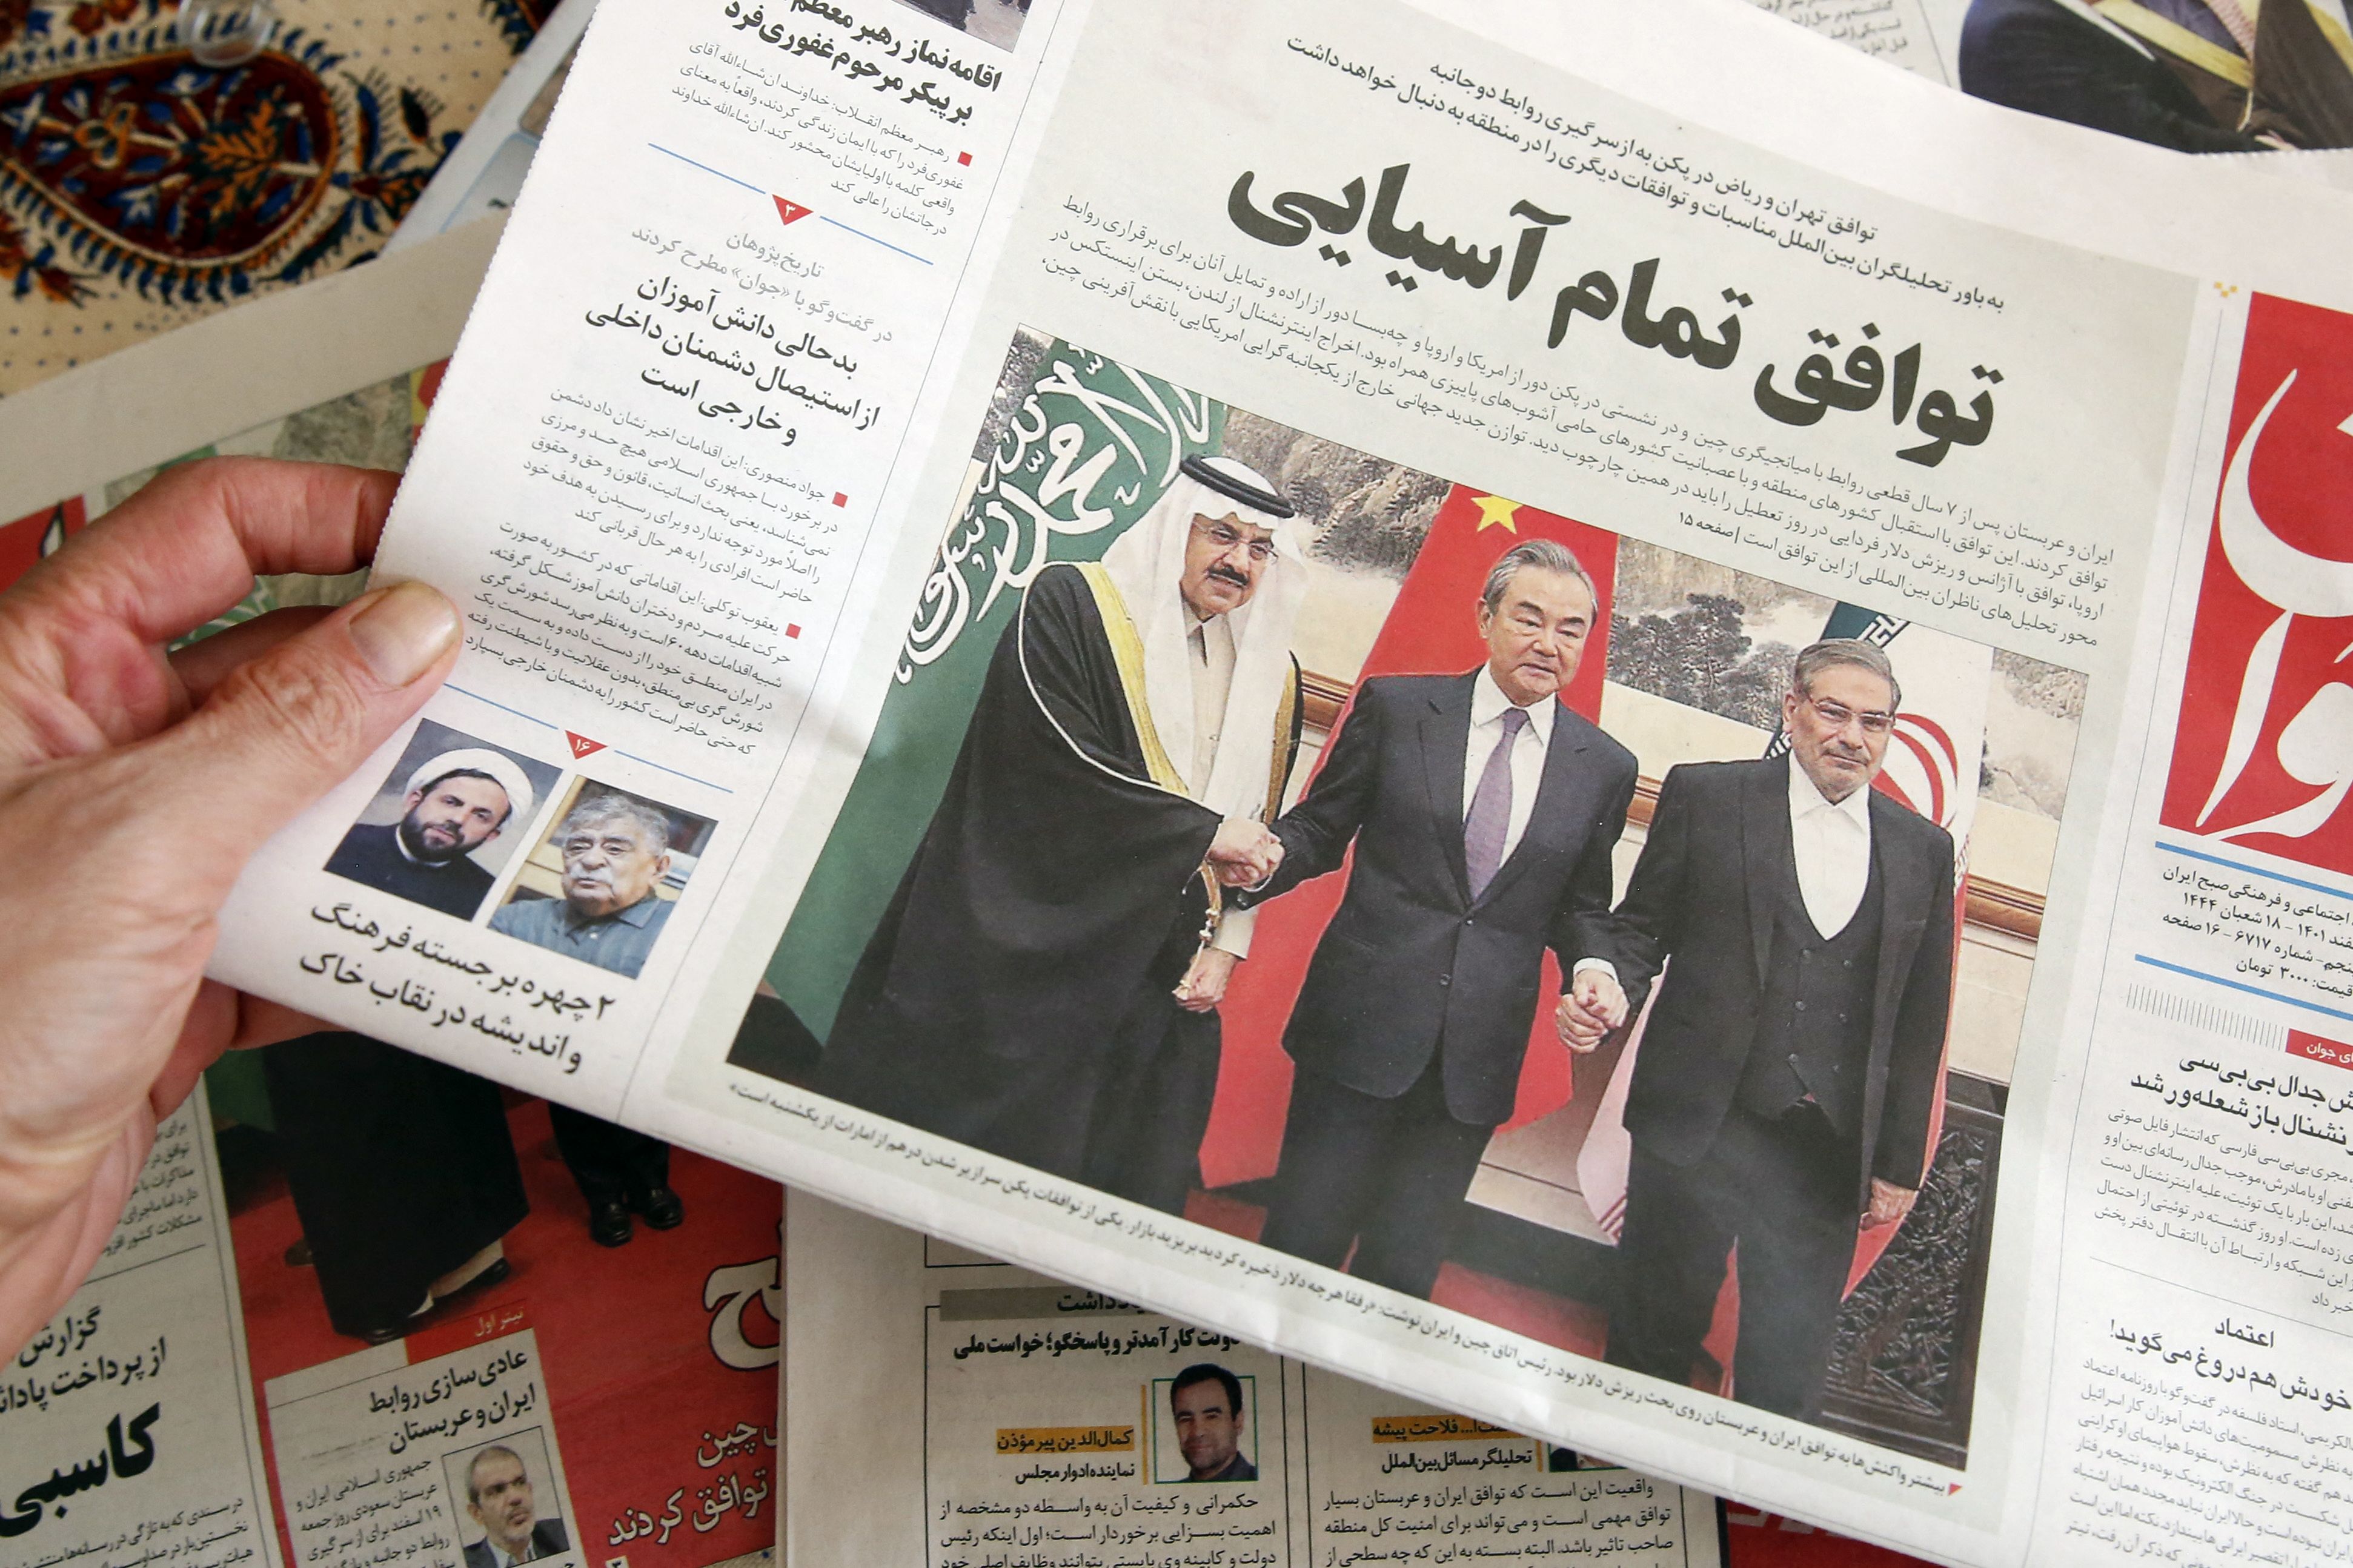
[{"x": 403, "y": 631}]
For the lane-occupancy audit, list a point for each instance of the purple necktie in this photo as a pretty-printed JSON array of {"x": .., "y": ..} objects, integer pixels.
[{"x": 1491, "y": 806}]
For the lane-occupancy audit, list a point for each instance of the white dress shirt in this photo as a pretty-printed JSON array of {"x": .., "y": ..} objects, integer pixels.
[
  {"x": 1487, "y": 705},
  {"x": 1535, "y": 736},
  {"x": 1833, "y": 850},
  {"x": 1212, "y": 645}
]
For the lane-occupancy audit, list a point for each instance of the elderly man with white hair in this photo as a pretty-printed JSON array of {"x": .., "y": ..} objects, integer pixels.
[
  {"x": 616, "y": 852},
  {"x": 455, "y": 804},
  {"x": 1044, "y": 983}
]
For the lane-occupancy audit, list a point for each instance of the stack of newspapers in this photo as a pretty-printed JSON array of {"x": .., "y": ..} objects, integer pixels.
[{"x": 1442, "y": 774}]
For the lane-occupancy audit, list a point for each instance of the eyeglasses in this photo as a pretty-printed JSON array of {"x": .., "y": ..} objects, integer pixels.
[
  {"x": 1262, "y": 550},
  {"x": 1838, "y": 716}
]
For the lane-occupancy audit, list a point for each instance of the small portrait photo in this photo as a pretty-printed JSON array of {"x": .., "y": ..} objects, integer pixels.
[
  {"x": 995, "y": 22},
  {"x": 510, "y": 1506},
  {"x": 599, "y": 884},
  {"x": 444, "y": 821},
  {"x": 1201, "y": 1429}
]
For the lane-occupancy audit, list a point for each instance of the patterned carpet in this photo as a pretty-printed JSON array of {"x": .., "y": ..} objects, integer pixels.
[{"x": 140, "y": 191}]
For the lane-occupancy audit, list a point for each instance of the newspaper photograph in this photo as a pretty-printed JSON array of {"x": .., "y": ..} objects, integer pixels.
[
  {"x": 1455, "y": 698},
  {"x": 1435, "y": 601},
  {"x": 2194, "y": 75}
]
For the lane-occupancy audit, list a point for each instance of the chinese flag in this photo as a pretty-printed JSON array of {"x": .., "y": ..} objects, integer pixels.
[{"x": 1431, "y": 629}]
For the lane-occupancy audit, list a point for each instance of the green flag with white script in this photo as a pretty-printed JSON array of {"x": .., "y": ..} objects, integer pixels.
[{"x": 1088, "y": 445}]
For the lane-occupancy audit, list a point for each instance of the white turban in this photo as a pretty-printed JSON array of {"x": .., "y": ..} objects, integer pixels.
[
  {"x": 497, "y": 764},
  {"x": 1148, "y": 565}
]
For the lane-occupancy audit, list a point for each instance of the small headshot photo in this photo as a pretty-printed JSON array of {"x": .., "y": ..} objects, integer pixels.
[
  {"x": 600, "y": 886},
  {"x": 995, "y": 22},
  {"x": 516, "y": 1520},
  {"x": 445, "y": 823},
  {"x": 1207, "y": 1410}
]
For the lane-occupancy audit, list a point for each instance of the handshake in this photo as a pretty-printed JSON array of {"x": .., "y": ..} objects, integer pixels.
[{"x": 1244, "y": 853}]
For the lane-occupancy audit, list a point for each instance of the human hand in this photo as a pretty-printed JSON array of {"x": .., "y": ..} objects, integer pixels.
[
  {"x": 133, "y": 787},
  {"x": 1579, "y": 1031},
  {"x": 1244, "y": 853},
  {"x": 1593, "y": 1004},
  {"x": 1889, "y": 1202},
  {"x": 1204, "y": 986},
  {"x": 1597, "y": 994}
]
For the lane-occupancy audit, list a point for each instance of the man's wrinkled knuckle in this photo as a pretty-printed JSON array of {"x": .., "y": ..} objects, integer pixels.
[{"x": 308, "y": 703}]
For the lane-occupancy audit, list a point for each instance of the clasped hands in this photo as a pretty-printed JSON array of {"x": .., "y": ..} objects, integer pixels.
[
  {"x": 1244, "y": 853},
  {"x": 1593, "y": 1004}
]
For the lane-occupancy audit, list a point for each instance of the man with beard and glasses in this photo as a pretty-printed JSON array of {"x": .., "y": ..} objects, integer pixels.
[
  {"x": 499, "y": 1497},
  {"x": 1799, "y": 924},
  {"x": 456, "y": 802}
]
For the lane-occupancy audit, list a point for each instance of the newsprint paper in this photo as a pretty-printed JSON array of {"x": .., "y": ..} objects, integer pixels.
[
  {"x": 945, "y": 504},
  {"x": 1004, "y": 1417}
]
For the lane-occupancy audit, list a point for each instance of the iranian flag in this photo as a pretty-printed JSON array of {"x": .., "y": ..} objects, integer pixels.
[{"x": 1933, "y": 762}]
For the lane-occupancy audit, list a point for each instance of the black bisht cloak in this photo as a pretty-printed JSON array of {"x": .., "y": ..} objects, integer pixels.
[
  {"x": 401, "y": 1168},
  {"x": 1056, "y": 883}
]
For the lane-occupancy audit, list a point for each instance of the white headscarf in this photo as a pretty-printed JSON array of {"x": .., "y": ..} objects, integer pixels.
[
  {"x": 1147, "y": 562},
  {"x": 497, "y": 764}
]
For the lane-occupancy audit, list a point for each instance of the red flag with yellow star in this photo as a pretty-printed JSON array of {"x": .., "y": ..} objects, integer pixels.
[{"x": 1432, "y": 629}]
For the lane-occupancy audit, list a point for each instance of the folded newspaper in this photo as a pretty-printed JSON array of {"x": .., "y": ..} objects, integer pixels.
[{"x": 1605, "y": 716}]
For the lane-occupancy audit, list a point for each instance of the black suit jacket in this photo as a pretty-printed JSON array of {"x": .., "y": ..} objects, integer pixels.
[
  {"x": 1412, "y": 957},
  {"x": 547, "y": 1540},
  {"x": 2038, "y": 56},
  {"x": 1701, "y": 894}
]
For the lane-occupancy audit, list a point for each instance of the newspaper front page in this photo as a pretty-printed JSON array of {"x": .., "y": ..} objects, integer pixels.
[{"x": 947, "y": 507}]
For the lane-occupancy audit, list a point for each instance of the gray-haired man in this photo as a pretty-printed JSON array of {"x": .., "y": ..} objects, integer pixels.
[
  {"x": 1784, "y": 1082},
  {"x": 616, "y": 850},
  {"x": 1482, "y": 811}
]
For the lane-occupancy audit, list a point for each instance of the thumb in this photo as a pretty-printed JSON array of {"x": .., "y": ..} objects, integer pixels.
[{"x": 277, "y": 732}]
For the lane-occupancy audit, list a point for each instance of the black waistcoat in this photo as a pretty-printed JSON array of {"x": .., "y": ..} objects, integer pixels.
[{"x": 1813, "y": 1035}]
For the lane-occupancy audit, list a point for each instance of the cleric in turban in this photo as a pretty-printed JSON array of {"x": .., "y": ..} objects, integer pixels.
[{"x": 455, "y": 804}]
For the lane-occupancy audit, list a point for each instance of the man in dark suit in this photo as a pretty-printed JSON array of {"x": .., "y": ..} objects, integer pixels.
[
  {"x": 1787, "y": 1075},
  {"x": 498, "y": 1494},
  {"x": 2069, "y": 62},
  {"x": 1482, "y": 811},
  {"x": 1205, "y": 1401}
]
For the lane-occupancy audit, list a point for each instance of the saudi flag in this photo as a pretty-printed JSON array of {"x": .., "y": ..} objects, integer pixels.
[
  {"x": 1089, "y": 446},
  {"x": 1933, "y": 762}
]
